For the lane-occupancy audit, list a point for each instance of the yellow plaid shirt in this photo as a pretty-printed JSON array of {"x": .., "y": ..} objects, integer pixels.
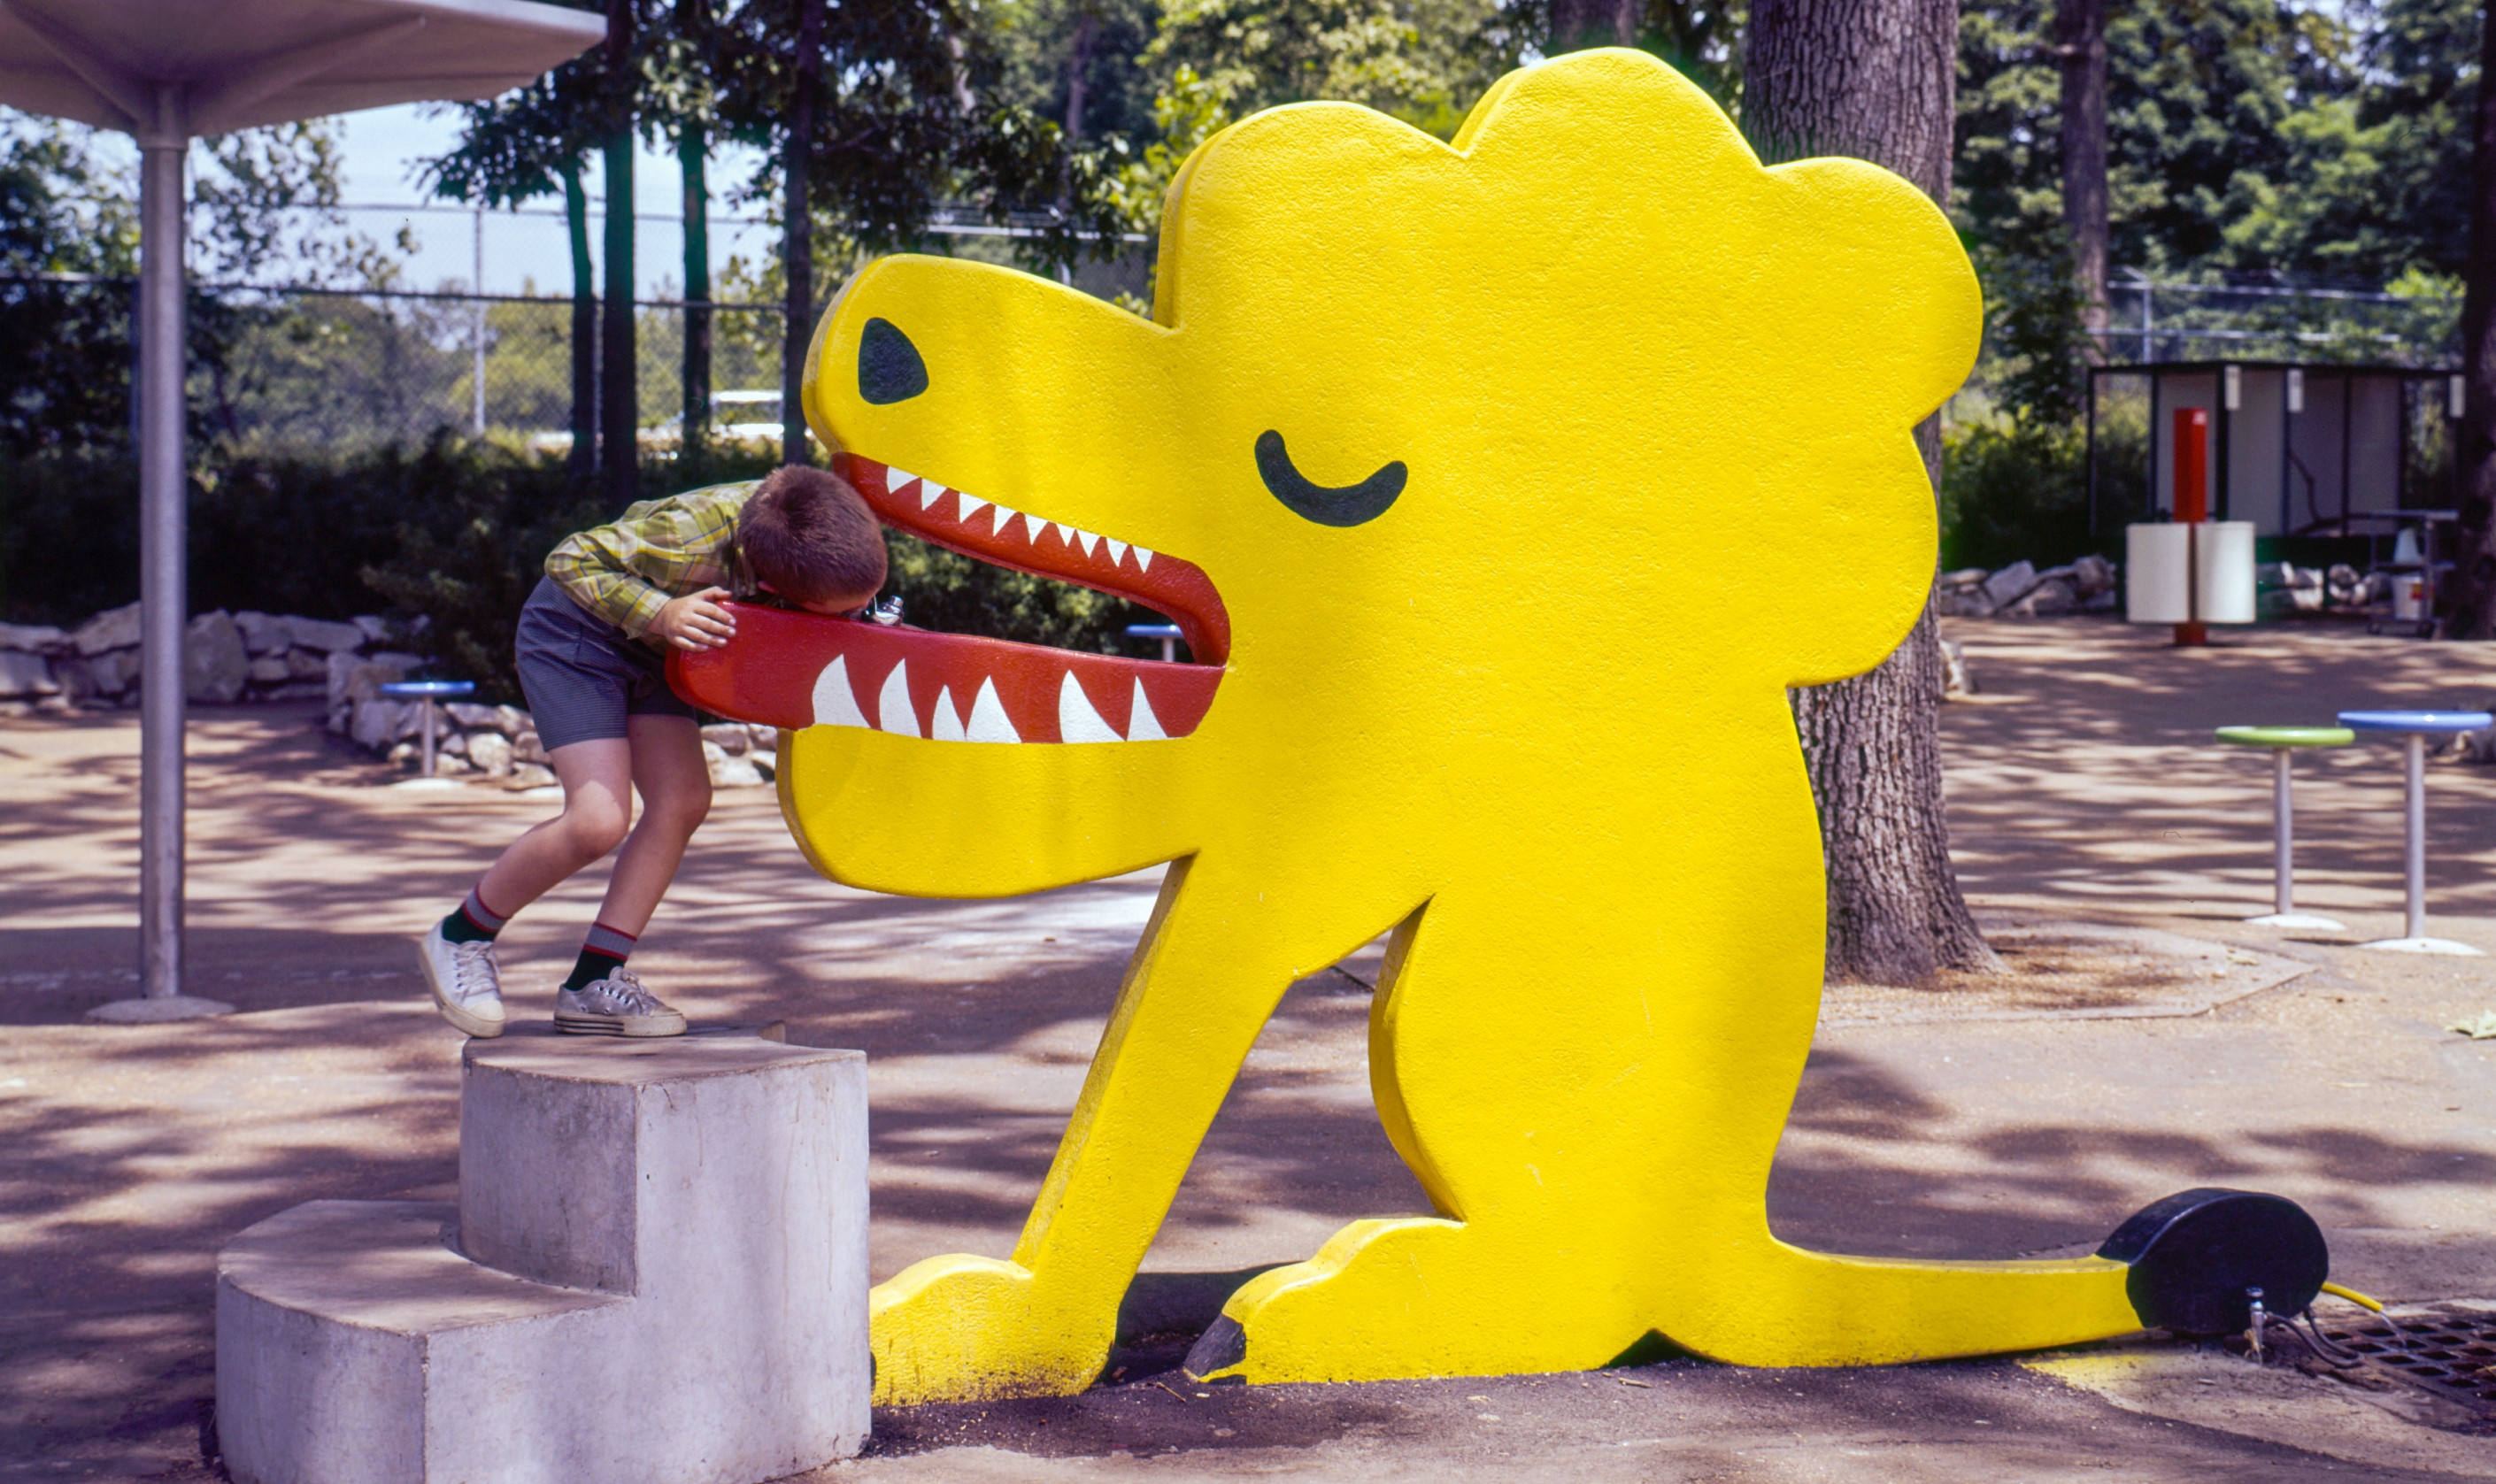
[{"x": 625, "y": 571}]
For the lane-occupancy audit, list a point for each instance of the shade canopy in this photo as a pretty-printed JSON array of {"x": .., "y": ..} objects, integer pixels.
[{"x": 241, "y": 63}]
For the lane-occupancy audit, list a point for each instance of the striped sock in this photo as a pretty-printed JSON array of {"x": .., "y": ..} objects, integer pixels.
[
  {"x": 473, "y": 922},
  {"x": 601, "y": 953}
]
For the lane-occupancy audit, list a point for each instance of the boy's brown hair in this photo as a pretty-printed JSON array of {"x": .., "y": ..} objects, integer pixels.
[{"x": 810, "y": 536}]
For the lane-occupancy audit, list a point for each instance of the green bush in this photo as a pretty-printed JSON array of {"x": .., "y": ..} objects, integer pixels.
[{"x": 2017, "y": 489}]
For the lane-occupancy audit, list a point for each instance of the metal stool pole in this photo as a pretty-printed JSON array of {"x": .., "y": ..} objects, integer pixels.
[
  {"x": 2284, "y": 834},
  {"x": 2414, "y": 728},
  {"x": 2282, "y": 741},
  {"x": 428, "y": 736}
]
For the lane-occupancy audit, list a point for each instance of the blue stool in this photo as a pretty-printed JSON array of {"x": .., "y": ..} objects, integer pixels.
[
  {"x": 428, "y": 691},
  {"x": 2415, "y": 728},
  {"x": 1167, "y": 634}
]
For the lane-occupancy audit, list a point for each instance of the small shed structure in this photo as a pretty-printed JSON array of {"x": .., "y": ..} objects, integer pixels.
[{"x": 2298, "y": 449}]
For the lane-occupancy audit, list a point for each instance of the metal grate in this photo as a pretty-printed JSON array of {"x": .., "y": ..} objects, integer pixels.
[{"x": 2451, "y": 1355}]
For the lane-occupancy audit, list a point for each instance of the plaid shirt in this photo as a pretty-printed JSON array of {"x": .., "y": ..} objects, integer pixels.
[{"x": 627, "y": 570}]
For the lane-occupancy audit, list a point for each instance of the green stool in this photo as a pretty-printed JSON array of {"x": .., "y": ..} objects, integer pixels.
[{"x": 2282, "y": 741}]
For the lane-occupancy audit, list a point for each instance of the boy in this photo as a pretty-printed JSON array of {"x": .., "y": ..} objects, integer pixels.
[{"x": 590, "y": 652}]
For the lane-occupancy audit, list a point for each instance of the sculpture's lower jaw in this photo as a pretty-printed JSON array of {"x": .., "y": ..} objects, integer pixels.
[{"x": 793, "y": 670}]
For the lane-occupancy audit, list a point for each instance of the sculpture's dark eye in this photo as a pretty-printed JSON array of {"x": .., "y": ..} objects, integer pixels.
[
  {"x": 1349, "y": 505},
  {"x": 889, "y": 369}
]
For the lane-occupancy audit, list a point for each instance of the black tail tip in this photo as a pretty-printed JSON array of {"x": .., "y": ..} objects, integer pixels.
[{"x": 2201, "y": 1258}]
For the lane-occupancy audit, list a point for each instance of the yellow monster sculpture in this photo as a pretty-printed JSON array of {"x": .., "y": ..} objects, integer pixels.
[{"x": 1502, "y": 488}]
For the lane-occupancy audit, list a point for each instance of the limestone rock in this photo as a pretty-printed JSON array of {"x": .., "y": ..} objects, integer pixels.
[
  {"x": 2048, "y": 598},
  {"x": 766, "y": 763},
  {"x": 727, "y": 772},
  {"x": 525, "y": 748},
  {"x": 376, "y": 722},
  {"x": 491, "y": 752},
  {"x": 323, "y": 634},
  {"x": 262, "y": 634},
  {"x": 530, "y": 775},
  {"x": 728, "y": 737},
  {"x": 111, "y": 629},
  {"x": 306, "y": 664},
  {"x": 1963, "y": 602},
  {"x": 374, "y": 628},
  {"x": 2093, "y": 575},
  {"x": 23, "y": 674},
  {"x": 2010, "y": 585},
  {"x": 268, "y": 669},
  {"x": 471, "y": 715},
  {"x": 75, "y": 677},
  {"x": 1965, "y": 576},
  {"x": 215, "y": 664},
  {"x": 115, "y": 670},
  {"x": 1956, "y": 682},
  {"x": 33, "y": 639}
]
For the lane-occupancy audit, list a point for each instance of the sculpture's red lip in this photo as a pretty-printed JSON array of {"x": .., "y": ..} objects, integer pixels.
[{"x": 794, "y": 669}]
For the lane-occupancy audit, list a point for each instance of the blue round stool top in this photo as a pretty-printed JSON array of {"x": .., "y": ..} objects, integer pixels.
[
  {"x": 2415, "y": 720},
  {"x": 1152, "y": 630},
  {"x": 420, "y": 689}
]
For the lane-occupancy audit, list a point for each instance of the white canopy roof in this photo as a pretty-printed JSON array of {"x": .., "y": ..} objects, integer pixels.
[{"x": 241, "y": 63}]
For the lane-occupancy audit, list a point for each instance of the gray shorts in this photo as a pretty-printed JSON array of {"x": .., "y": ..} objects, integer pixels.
[{"x": 582, "y": 675}]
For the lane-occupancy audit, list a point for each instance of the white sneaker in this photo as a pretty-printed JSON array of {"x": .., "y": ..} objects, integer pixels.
[
  {"x": 467, "y": 983},
  {"x": 616, "y": 1005}
]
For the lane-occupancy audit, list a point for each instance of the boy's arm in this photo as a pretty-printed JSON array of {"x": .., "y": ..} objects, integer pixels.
[{"x": 625, "y": 571}]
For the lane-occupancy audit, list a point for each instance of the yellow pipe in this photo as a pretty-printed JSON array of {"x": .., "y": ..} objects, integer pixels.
[{"x": 2353, "y": 1296}]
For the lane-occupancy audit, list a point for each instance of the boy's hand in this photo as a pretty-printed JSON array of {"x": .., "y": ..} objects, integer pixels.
[{"x": 695, "y": 621}]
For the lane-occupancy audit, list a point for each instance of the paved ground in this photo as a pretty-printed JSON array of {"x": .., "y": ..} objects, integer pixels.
[{"x": 2082, "y": 791}]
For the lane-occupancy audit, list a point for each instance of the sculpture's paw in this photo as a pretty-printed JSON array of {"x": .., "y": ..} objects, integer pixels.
[
  {"x": 1414, "y": 1297},
  {"x": 960, "y": 1328},
  {"x": 2200, "y": 1260}
]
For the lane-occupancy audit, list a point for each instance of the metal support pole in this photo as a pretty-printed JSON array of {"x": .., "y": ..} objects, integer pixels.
[
  {"x": 477, "y": 336},
  {"x": 2415, "y": 744},
  {"x": 162, "y": 540},
  {"x": 164, "y": 600},
  {"x": 428, "y": 736},
  {"x": 2283, "y": 846}
]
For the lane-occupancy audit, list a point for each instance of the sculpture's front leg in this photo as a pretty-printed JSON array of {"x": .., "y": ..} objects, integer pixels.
[{"x": 1199, "y": 987}]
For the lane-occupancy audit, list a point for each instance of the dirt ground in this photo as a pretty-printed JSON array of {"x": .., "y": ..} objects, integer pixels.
[{"x": 2157, "y": 1043}]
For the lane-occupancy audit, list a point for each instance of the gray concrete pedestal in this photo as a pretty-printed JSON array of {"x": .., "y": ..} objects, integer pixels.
[{"x": 655, "y": 1274}]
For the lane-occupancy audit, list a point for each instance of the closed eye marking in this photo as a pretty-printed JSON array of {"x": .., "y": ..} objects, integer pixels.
[{"x": 1350, "y": 505}]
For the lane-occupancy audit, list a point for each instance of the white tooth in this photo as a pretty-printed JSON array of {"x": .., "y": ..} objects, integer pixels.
[
  {"x": 1002, "y": 515},
  {"x": 892, "y": 711},
  {"x": 1064, "y": 532},
  {"x": 1087, "y": 540},
  {"x": 971, "y": 505},
  {"x": 1143, "y": 560},
  {"x": 929, "y": 492},
  {"x": 1076, "y": 721},
  {"x": 948, "y": 726},
  {"x": 988, "y": 720},
  {"x": 834, "y": 704},
  {"x": 1117, "y": 550},
  {"x": 894, "y": 479},
  {"x": 1141, "y": 725}
]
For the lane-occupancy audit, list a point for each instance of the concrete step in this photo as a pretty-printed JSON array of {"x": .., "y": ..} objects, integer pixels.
[{"x": 656, "y": 1274}]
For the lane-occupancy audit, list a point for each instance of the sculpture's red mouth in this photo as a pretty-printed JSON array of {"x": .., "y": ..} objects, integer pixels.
[{"x": 792, "y": 670}]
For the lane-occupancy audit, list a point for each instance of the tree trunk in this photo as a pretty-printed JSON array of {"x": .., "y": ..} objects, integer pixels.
[
  {"x": 619, "y": 410},
  {"x": 1079, "y": 66},
  {"x": 693, "y": 152},
  {"x": 1876, "y": 79},
  {"x": 798, "y": 231},
  {"x": 2474, "y": 592},
  {"x": 1578, "y": 24},
  {"x": 583, "y": 461},
  {"x": 2080, "y": 37},
  {"x": 691, "y": 147}
]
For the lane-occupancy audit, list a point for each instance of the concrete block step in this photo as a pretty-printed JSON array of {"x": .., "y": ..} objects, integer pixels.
[{"x": 656, "y": 1274}]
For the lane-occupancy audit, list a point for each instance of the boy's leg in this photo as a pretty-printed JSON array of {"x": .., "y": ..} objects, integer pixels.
[
  {"x": 458, "y": 952},
  {"x": 674, "y": 784}
]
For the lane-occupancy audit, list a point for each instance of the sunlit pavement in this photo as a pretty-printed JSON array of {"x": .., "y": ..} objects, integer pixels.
[{"x": 2085, "y": 787}]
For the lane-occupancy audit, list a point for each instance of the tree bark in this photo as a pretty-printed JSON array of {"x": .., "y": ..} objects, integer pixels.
[
  {"x": 619, "y": 411},
  {"x": 798, "y": 230},
  {"x": 1876, "y": 79},
  {"x": 583, "y": 461},
  {"x": 2080, "y": 36},
  {"x": 2472, "y": 615},
  {"x": 1579, "y": 24}
]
